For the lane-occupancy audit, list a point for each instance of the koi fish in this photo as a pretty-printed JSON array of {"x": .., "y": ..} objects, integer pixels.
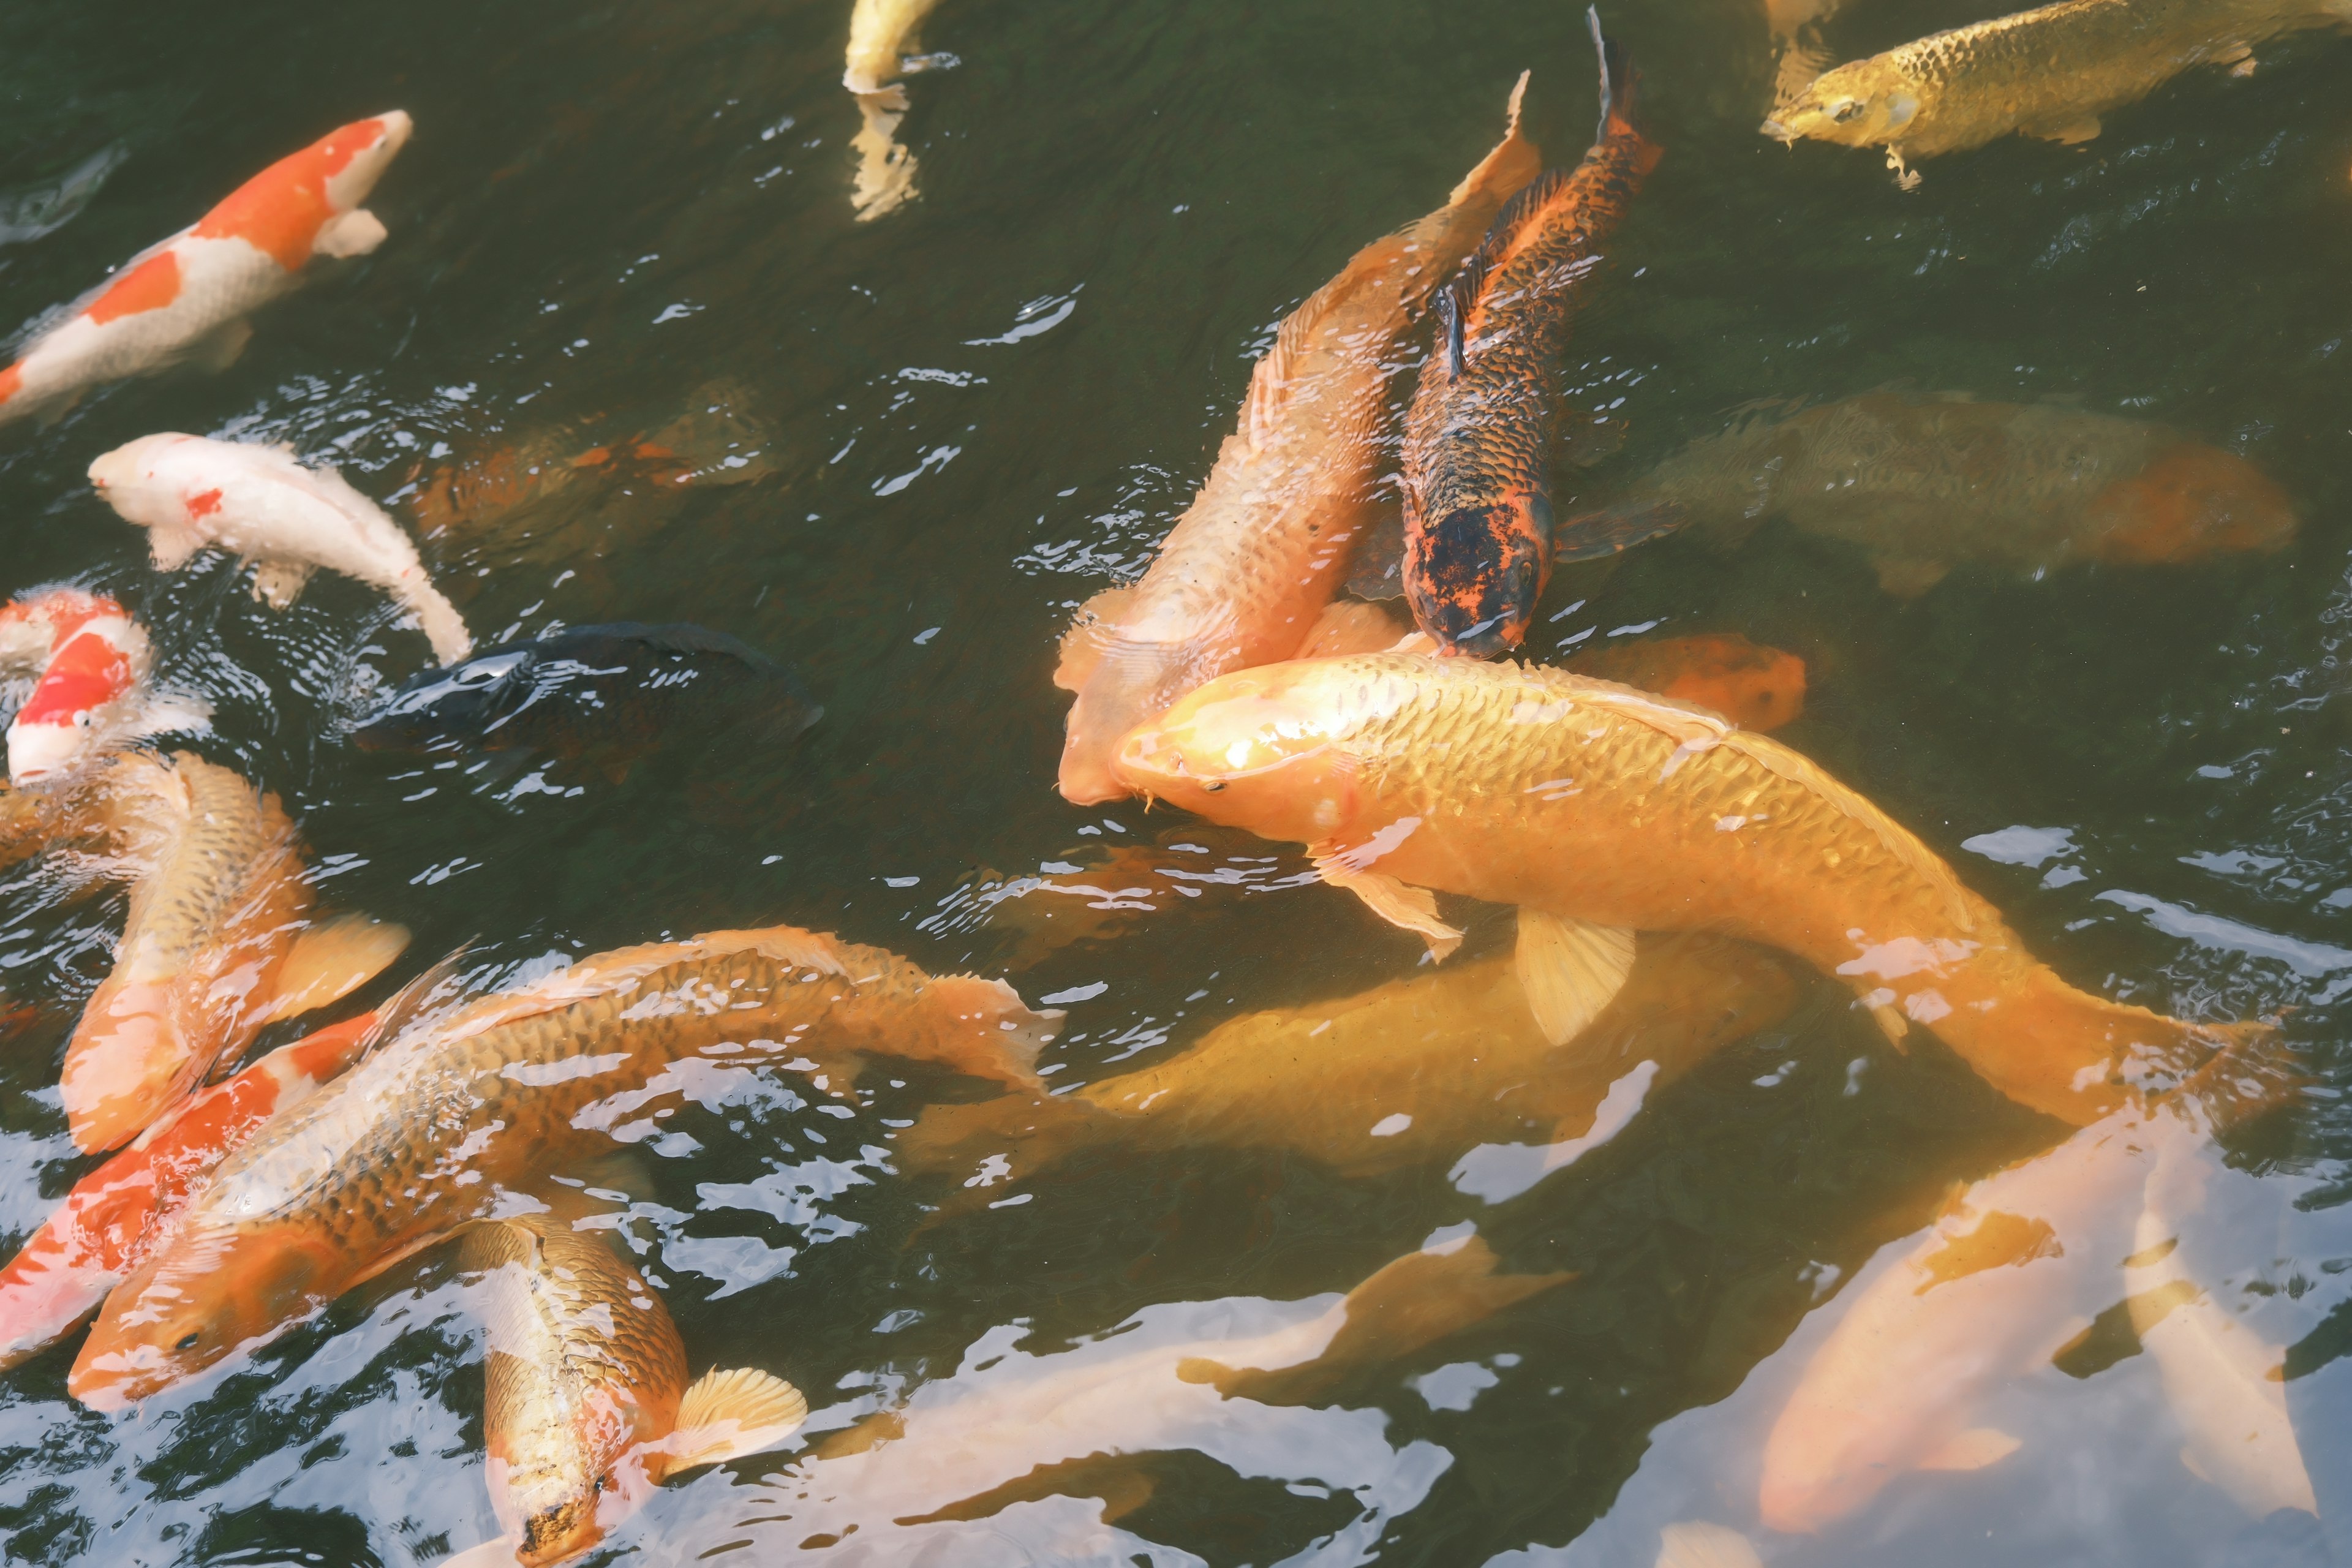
[
  {"x": 263, "y": 507},
  {"x": 1409, "y": 1072},
  {"x": 1600, "y": 811},
  {"x": 91, "y": 662},
  {"x": 1923, "y": 482},
  {"x": 588, "y": 1406},
  {"x": 1486, "y": 414},
  {"x": 116, "y": 1217},
  {"x": 422, "y": 1138},
  {"x": 187, "y": 300},
  {"x": 2049, "y": 72},
  {"x": 884, "y": 180},
  {"x": 1242, "y": 577},
  {"x": 609, "y": 691},
  {"x": 215, "y": 947}
]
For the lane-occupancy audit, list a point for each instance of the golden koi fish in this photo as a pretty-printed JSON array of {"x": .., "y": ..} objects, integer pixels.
[
  {"x": 422, "y": 1138},
  {"x": 2049, "y": 72},
  {"x": 1600, "y": 811},
  {"x": 588, "y": 1409},
  {"x": 1408, "y": 1072},
  {"x": 214, "y": 948},
  {"x": 1242, "y": 577}
]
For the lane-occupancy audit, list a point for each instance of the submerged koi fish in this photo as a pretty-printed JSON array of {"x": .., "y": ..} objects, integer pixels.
[
  {"x": 215, "y": 947},
  {"x": 2049, "y": 72},
  {"x": 1241, "y": 578},
  {"x": 263, "y": 506},
  {"x": 1408, "y": 1072},
  {"x": 1486, "y": 417},
  {"x": 188, "y": 298},
  {"x": 424, "y": 1136},
  {"x": 117, "y": 1215},
  {"x": 1600, "y": 811},
  {"x": 588, "y": 1406},
  {"x": 90, "y": 663},
  {"x": 1926, "y": 483}
]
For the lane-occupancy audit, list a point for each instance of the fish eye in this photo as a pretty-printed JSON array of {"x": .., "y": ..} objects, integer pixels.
[
  {"x": 84, "y": 719},
  {"x": 1213, "y": 785},
  {"x": 1845, "y": 110},
  {"x": 189, "y": 1340}
]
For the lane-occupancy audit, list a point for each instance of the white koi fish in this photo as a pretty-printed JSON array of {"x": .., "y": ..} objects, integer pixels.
[
  {"x": 260, "y": 504},
  {"x": 88, "y": 661},
  {"x": 188, "y": 299}
]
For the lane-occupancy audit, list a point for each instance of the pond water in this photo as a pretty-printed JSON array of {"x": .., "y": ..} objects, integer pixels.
[{"x": 921, "y": 438}]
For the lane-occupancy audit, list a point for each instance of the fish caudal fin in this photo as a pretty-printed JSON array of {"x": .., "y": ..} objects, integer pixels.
[
  {"x": 1698, "y": 1545},
  {"x": 1569, "y": 970},
  {"x": 2069, "y": 1053},
  {"x": 444, "y": 628},
  {"x": 331, "y": 961},
  {"x": 729, "y": 1416},
  {"x": 1024, "y": 1132},
  {"x": 1618, "y": 79},
  {"x": 984, "y": 1028}
]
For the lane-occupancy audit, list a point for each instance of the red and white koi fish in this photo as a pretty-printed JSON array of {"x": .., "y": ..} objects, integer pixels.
[
  {"x": 119, "y": 1214},
  {"x": 258, "y": 502},
  {"x": 188, "y": 299},
  {"x": 89, "y": 663}
]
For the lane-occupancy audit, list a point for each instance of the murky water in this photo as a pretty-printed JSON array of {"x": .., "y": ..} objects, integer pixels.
[{"x": 920, "y": 441}]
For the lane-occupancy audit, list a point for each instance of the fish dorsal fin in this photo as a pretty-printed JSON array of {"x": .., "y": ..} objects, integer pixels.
[
  {"x": 1400, "y": 904},
  {"x": 785, "y": 944},
  {"x": 1569, "y": 970},
  {"x": 1700, "y": 730},
  {"x": 329, "y": 961},
  {"x": 1512, "y": 164},
  {"x": 1973, "y": 1449},
  {"x": 1518, "y": 219},
  {"x": 279, "y": 582},
  {"x": 1699, "y": 1545},
  {"x": 729, "y": 1415},
  {"x": 1090, "y": 632},
  {"x": 431, "y": 993}
]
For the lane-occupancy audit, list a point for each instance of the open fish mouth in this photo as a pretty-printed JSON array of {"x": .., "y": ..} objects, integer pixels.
[{"x": 1778, "y": 132}]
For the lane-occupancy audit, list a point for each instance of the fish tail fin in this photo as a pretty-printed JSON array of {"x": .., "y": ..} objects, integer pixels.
[
  {"x": 45, "y": 1291},
  {"x": 984, "y": 1028},
  {"x": 1618, "y": 80},
  {"x": 729, "y": 1416},
  {"x": 444, "y": 628},
  {"x": 1027, "y": 1132},
  {"x": 331, "y": 960},
  {"x": 1593, "y": 534}
]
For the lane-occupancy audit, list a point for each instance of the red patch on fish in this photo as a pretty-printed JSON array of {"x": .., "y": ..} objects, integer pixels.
[
  {"x": 86, "y": 672},
  {"x": 150, "y": 286},
  {"x": 280, "y": 210},
  {"x": 204, "y": 503},
  {"x": 11, "y": 381}
]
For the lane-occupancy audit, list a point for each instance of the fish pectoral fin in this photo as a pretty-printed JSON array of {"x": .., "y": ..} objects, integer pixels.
[
  {"x": 1701, "y": 1545},
  {"x": 1569, "y": 970},
  {"x": 354, "y": 232},
  {"x": 1400, "y": 904},
  {"x": 279, "y": 582},
  {"x": 329, "y": 962},
  {"x": 1091, "y": 631},
  {"x": 2071, "y": 132},
  {"x": 222, "y": 347},
  {"x": 730, "y": 1415},
  {"x": 1973, "y": 1449},
  {"x": 173, "y": 548},
  {"x": 172, "y": 715},
  {"x": 1908, "y": 579}
]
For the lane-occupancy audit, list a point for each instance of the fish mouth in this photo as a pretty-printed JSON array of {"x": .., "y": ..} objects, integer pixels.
[{"x": 1779, "y": 132}]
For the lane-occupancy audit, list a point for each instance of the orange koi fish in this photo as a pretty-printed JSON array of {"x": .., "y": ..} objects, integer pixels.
[
  {"x": 1600, "y": 811},
  {"x": 91, "y": 662},
  {"x": 1241, "y": 578},
  {"x": 117, "y": 1215},
  {"x": 424, "y": 1136},
  {"x": 1486, "y": 417},
  {"x": 214, "y": 949},
  {"x": 188, "y": 299}
]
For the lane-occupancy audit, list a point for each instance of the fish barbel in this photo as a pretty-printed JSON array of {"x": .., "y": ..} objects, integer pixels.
[
  {"x": 587, "y": 1408},
  {"x": 2048, "y": 73},
  {"x": 1409, "y": 1072},
  {"x": 1241, "y": 578},
  {"x": 188, "y": 298},
  {"x": 218, "y": 944},
  {"x": 116, "y": 1217},
  {"x": 1926, "y": 483},
  {"x": 1607, "y": 810},
  {"x": 1479, "y": 439},
  {"x": 423, "y": 1137}
]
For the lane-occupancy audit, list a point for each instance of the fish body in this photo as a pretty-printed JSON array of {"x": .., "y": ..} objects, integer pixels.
[
  {"x": 588, "y": 1407},
  {"x": 1618, "y": 811},
  {"x": 1243, "y": 576},
  {"x": 610, "y": 690},
  {"x": 116, "y": 1217},
  {"x": 1924, "y": 483},
  {"x": 188, "y": 299},
  {"x": 90, "y": 663},
  {"x": 1412, "y": 1071},
  {"x": 423, "y": 1137},
  {"x": 260, "y": 504},
  {"x": 1486, "y": 417},
  {"x": 2048, "y": 73}
]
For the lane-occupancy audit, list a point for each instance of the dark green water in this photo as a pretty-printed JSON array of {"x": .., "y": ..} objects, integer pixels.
[{"x": 965, "y": 418}]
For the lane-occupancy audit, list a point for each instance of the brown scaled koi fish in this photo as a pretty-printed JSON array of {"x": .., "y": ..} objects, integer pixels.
[
  {"x": 422, "y": 1138},
  {"x": 1479, "y": 439},
  {"x": 1242, "y": 577}
]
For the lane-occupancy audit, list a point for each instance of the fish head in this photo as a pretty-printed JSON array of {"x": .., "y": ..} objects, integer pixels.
[
  {"x": 1263, "y": 749},
  {"x": 141, "y": 481},
  {"x": 1861, "y": 104},
  {"x": 212, "y": 1291},
  {"x": 1474, "y": 575},
  {"x": 367, "y": 148},
  {"x": 468, "y": 701},
  {"x": 2191, "y": 502},
  {"x": 77, "y": 708}
]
